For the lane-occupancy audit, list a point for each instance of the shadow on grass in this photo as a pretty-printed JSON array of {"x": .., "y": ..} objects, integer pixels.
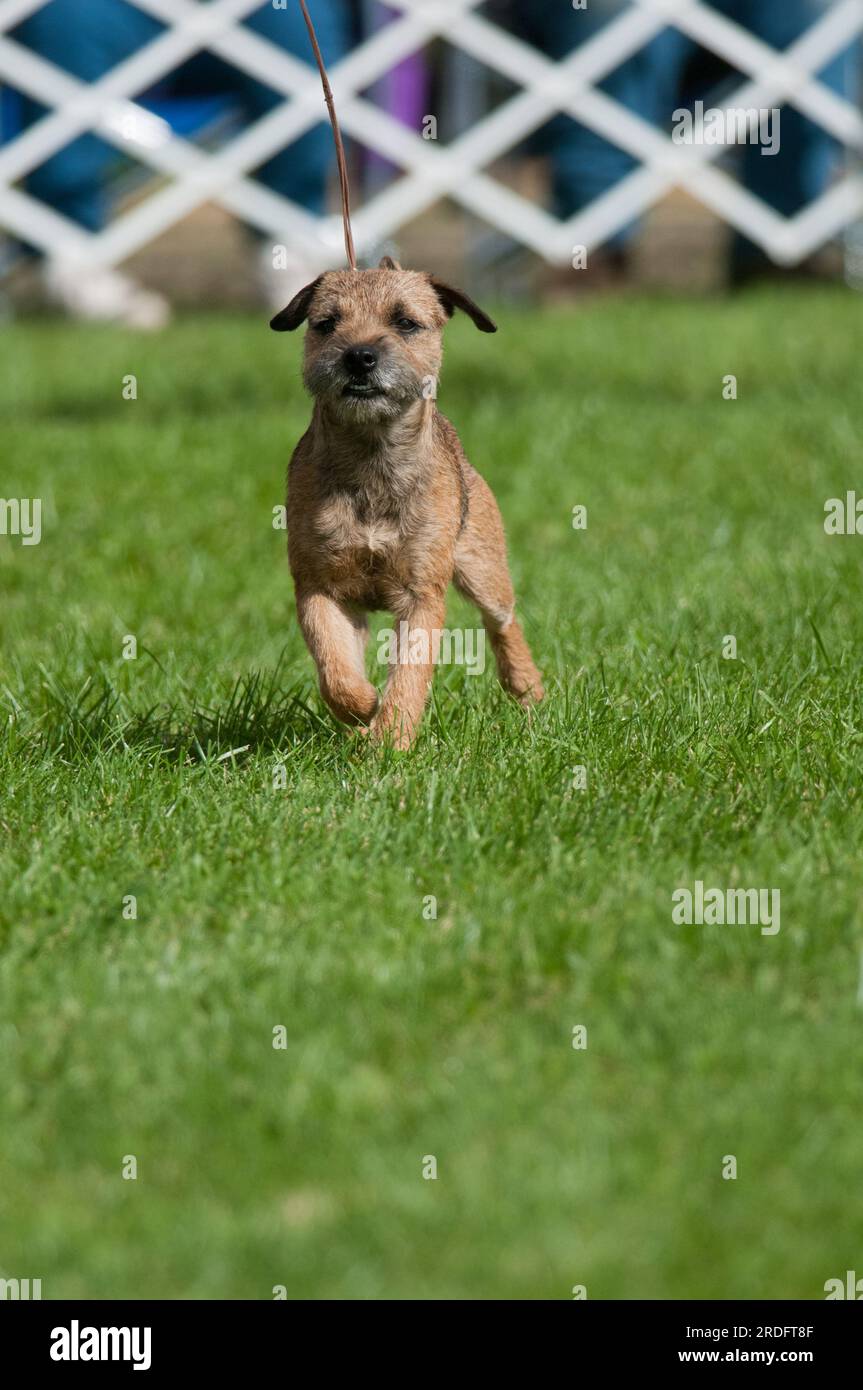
[{"x": 256, "y": 714}]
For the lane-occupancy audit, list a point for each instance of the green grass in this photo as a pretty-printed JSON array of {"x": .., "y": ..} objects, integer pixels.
[{"x": 303, "y": 906}]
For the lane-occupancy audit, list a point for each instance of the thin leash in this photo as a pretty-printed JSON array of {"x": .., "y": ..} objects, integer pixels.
[{"x": 337, "y": 136}]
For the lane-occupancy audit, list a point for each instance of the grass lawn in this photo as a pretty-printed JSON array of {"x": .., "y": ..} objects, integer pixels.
[{"x": 305, "y": 906}]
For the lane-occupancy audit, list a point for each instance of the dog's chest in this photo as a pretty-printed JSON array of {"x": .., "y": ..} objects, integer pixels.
[
  {"x": 354, "y": 528},
  {"x": 367, "y": 555}
]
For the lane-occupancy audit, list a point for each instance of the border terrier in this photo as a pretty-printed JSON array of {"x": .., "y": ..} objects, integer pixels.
[{"x": 384, "y": 511}]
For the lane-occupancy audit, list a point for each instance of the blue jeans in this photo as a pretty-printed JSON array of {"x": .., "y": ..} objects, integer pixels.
[
  {"x": 88, "y": 37},
  {"x": 584, "y": 165}
]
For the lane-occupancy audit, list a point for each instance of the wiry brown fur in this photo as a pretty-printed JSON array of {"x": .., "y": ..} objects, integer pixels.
[{"x": 384, "y": 510}]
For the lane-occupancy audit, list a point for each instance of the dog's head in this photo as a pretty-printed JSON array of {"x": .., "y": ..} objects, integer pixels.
[{"x": 374, "y": 341}]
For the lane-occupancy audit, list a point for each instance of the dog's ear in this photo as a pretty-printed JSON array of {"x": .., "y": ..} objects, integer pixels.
[
  {"x": 387, "y": 263},
  {"x": 297, "y": 311},
  {"x": 453, "y": 299}
]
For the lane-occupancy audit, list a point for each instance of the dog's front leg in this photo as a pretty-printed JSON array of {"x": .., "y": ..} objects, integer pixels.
[
  {"x": 336, "y": 637},
  {"x": 417, "y": 642}
]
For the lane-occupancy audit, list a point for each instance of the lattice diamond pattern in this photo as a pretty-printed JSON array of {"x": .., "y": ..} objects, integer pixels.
[{"x": 430, "y": 172}]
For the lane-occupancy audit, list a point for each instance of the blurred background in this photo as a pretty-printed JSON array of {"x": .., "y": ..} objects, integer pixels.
[{"x": 165, "y": 154}]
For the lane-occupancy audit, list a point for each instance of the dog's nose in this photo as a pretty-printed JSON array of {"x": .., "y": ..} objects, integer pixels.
[{"x": 360, "y": 360}]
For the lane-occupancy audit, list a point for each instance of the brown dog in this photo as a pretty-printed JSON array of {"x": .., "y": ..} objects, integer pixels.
[{"x": 384, "y": 509}]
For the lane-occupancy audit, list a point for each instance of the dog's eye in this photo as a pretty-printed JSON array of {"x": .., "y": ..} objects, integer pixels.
[
  {"x": 324, "y": 326},
  {"x": 406, "y": 325}
]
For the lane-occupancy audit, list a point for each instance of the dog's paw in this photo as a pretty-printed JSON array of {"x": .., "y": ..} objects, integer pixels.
[
  {"x": 530, "y": 697},
  {"x": 388, "y": 730}
]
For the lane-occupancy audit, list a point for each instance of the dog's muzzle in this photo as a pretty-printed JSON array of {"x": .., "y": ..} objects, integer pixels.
[{"x": 360, "y": 363}]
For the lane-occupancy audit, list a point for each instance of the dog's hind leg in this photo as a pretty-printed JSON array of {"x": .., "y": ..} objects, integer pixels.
[
  {"x": 482, "y": 575},
  {"x": 336, "y": 637}
]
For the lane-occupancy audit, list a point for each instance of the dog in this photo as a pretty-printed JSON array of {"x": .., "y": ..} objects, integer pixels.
[{"x": 383, "y": 508}]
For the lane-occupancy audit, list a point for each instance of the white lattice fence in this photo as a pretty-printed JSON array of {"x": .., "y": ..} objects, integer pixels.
[{"x": 430, "y": 171}]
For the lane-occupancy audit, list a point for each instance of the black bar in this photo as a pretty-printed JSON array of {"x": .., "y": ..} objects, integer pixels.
[{"x": 221, "y": 1338}]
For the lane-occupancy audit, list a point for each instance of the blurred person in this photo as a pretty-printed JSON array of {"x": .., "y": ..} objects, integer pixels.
[
  {"x": 808, "y": 158},
  {"x": 404, "y": 92},
  {"x": 585, "y": 165},
  {"x": 89, "y": 37}
]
